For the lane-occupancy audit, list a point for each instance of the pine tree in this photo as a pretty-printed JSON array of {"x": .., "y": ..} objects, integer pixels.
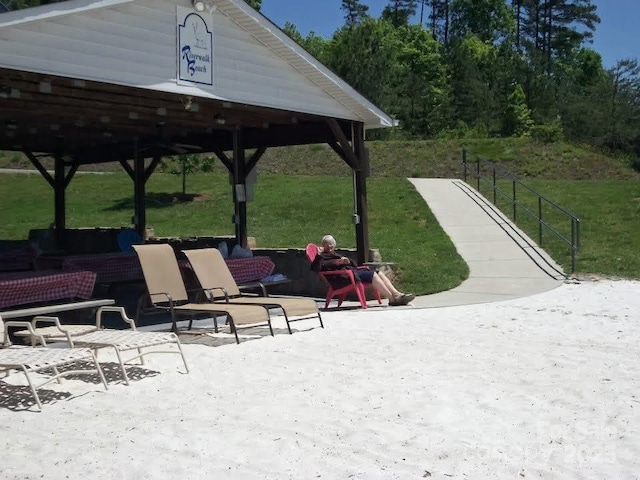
[
  {"x": 398, "y": 12},
  {"x": 517, "y": 117},
  {"x": 354, "y": 12}
]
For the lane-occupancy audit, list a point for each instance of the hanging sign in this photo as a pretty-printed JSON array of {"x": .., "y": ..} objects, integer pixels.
[{"x": 195, "y": 47}]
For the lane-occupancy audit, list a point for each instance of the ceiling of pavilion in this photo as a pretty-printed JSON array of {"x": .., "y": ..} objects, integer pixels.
[{"x": 93, "y": 122}]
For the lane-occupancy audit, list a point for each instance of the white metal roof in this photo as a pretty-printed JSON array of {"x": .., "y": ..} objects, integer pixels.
[{"x": 258, "y": 26}]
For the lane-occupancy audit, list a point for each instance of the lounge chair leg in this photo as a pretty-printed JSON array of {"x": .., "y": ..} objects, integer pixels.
[
  {"x": 124, "y": 370},
  {"x": 33, "y": 389},
  {"x": 58, "y": 379},
  {"x": 287, "y": 320},
  {"x": 320, "y": 318},
  {"x": 174, "y": 325},
  {"x": 99, "y": 370},
  {"x": 270, "y": 327},
  {"x": 233, "y": 328},
  {"x": 184, "y": 360}
]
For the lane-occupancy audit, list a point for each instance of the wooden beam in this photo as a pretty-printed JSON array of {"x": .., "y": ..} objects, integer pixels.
[
  {"x": 43, "y": 171},
  {"x": 350, "y": 156},
  {"x": 257, "y": 155}
]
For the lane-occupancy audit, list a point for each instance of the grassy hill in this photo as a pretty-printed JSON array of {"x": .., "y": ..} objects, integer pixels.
[{"x": 525, "y": 158}]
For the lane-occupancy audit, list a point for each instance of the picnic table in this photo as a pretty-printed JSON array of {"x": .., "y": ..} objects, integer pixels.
[
  {"x": 116, "y": 267},
  {"x": 21, "y": 288},
  {"x": 125, "y": 267},
  {"x": 245, "y": 270}
]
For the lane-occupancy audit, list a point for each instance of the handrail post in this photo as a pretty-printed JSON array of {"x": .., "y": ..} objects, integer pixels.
[
  {"x": 539, "y": 221},
  {"x": 515, "y": 201},
  {"x": 573, "y": 245},
  {"x": 464, "y": 164},
  {"x": 494, "y": 186},
  {"x": 578, "y": 234}
]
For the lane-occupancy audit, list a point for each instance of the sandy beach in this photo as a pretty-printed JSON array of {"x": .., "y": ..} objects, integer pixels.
[{"x": 543, "y": 387}]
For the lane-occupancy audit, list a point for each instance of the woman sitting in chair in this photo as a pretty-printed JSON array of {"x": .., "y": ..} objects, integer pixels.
[{"x": 328, "y": 260}]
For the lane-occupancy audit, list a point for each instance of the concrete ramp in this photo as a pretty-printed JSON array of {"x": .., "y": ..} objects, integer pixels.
[{"x": 504, "y": 262}]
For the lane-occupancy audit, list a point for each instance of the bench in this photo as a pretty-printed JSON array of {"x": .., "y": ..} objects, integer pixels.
[{"x": 55, "y": 308}]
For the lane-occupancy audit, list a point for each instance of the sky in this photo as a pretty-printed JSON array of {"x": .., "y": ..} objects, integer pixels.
[{"x": 617, "y": 36}]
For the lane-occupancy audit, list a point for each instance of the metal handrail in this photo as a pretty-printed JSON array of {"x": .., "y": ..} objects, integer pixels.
[{"x": 573, "y": 242}]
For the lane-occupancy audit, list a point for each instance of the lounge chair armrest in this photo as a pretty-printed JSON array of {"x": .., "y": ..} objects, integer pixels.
[
  {"x": 330, "y": 273},
  {"x": 210, "y": 295},
  {"x": 164, "y": 294},
  {"x": 32, "y": 328},
  {"x": 257, "y": 284},
  {"x": 120, "y": 310},
  {"x": 19, "y": 324}
]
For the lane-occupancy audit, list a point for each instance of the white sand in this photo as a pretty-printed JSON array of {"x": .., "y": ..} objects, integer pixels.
[{"x": 540, "y": 387}]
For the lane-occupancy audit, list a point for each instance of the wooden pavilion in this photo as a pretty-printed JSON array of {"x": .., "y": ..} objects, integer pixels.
[{"x": 132, "y": 81}]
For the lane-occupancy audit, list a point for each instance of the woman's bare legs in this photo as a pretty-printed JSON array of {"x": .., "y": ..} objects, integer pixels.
[
  {"x": 388, "y": 284},
  {"x": 382, "y": 283}
]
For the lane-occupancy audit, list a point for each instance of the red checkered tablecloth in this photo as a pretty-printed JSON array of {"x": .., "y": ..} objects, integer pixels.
[
  {"x": 21, "y": 288},
  {"x": 109, "y": 267},
  {"x": 245, "y": 270}
]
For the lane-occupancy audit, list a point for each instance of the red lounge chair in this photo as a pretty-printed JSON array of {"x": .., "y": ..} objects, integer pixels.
[{"x": 342, "y": 292}]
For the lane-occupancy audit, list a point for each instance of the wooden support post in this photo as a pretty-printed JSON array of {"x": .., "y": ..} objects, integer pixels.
[
  {"x": 139, "y": 183},
  {"x": 239, "y": 189},
  {"x": 360, "y": 184},
  {"x": 59, "y": 187}
]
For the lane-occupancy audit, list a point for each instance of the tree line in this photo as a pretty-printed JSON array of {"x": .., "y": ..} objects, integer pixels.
[
  {"x": 485, "y": 67},
  {"x": 456, "y": 68}
]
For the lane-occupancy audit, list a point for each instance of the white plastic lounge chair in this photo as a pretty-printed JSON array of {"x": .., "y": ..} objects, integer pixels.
[
  {"x": 97, "y": 338},
  {"x": 30, "y": 360},
  {"x": 167, "y": 291},
  {"x": 219, "y": 285}
]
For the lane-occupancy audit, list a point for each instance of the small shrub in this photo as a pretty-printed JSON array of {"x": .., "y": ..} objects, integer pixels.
[{"x": 548, "y": 132}]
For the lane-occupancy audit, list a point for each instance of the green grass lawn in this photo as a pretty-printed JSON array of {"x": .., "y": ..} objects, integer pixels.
[
  {"x": 292, "y": 210},
  {"x": 288, "y": 211}
]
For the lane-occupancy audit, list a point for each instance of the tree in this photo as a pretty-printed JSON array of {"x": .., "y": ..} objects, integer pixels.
[
  {"x": 398, "y": 12},
  {"x": 364, "y": 56},
  {"x": 624, "y": 101},
  {"x": 419, "y": 95},
  {"x": 312, "y": 43},
  {"x": 440, "y": 20},
  {"x": 489, "y": 20},
  {"x": 185, "y": 165},
  {"x": 354, "y": 12},
  {"x": 556, "y": 28},
  {"x": 255, "y": 4},
  {"x": 473, "y": 85},
  {"x": 517, "y": 118}
]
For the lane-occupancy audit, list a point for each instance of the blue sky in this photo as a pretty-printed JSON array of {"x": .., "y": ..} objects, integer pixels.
[{"x": 616, "y": 37}]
